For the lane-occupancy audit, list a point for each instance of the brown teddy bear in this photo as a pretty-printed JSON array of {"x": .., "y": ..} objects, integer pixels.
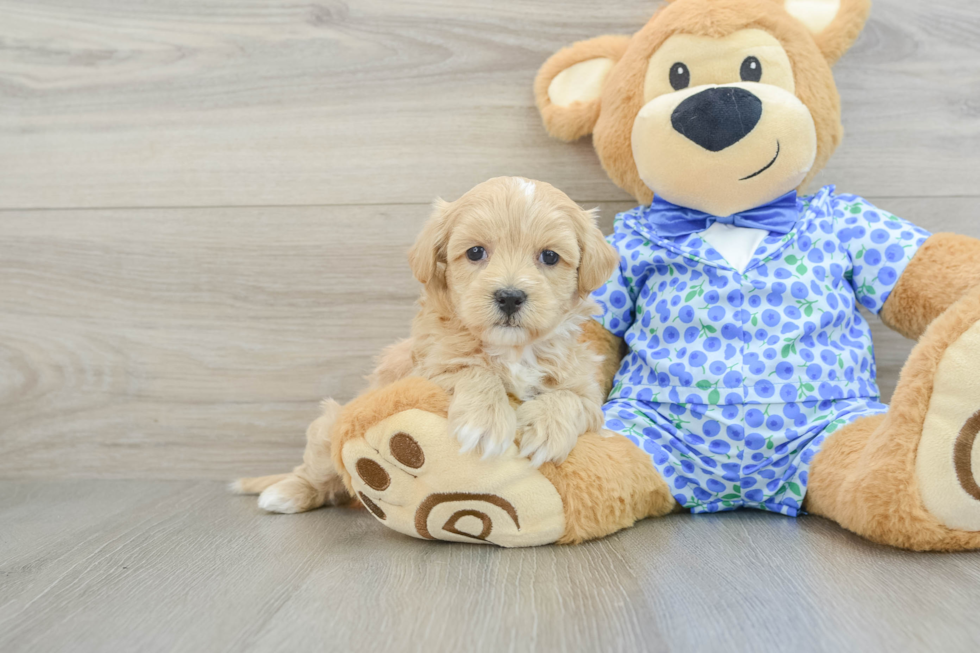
[{"x": 740, "y": 371}]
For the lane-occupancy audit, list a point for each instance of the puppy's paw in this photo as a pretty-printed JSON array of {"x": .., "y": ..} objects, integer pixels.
[
  {"x": 545, "y": 433},
  {"x": 277, "y": 499},
  {"x": 294, "y": 494},
  {"x": 489, "y": 428}
]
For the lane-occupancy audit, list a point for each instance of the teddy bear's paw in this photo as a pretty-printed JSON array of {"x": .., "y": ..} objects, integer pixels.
[
  {"x": 408, "y": 471},
  {"x": 948, "y": 459}
]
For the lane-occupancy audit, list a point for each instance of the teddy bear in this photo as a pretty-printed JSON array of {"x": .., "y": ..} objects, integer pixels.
[{"x": 739, "y": 370}]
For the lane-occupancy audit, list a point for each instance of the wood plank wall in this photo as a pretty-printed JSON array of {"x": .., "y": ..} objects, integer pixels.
[{"x": 205, "y": 206}]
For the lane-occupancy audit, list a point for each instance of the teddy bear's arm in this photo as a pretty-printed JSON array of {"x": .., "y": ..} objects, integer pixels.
[
  {"x": 945, "y": 267},
  {"x": 612, "y": 348}
]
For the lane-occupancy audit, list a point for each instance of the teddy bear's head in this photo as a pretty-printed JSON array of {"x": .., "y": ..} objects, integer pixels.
[{"x": 717, "y": 105}]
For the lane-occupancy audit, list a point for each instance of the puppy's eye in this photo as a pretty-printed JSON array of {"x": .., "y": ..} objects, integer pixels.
[
  {"x": 751, "y": 70},
  {"x": 476, "y": 253},
  {"x": 549, "y": 258},
  {"x": 680, "y": 76}
]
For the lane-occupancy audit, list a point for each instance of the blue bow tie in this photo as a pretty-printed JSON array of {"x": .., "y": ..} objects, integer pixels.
[{"x": 672, "y": 220}]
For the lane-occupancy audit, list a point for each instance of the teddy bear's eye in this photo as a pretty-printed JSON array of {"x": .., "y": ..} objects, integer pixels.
[
  {"x": 751, "y": 70},
  {"x": 680, "y": 76}
]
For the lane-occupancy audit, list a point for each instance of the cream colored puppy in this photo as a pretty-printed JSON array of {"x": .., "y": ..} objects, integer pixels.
[{"x": 507, "y": 271}]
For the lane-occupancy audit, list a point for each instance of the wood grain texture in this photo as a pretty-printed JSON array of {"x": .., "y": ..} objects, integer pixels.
[
  {"x": 159, "y": 338},
  {"x": 208, "y": 103},
  {"x": 181, "y": 566},
  {"x": 196, "y": 343},
  {"x": 204, "y": 212}
]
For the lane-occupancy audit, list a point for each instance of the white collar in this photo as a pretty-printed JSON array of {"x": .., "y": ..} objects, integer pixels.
[{"x": 735, "y": 244}]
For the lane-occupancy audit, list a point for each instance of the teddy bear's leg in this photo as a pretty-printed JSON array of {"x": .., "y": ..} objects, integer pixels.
[
  {"x": 909, "y": 478},
  {"x": 397, "y": 456},
  {"x": 607, "y": 484}
]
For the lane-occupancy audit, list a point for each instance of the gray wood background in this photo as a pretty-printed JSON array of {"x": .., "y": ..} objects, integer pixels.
[
  {"x": 205, "y": 208},
  {"x": 153, "y": 566}
]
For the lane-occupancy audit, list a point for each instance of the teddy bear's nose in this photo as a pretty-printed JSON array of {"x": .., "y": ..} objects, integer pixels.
[{"x": 717, "y": 118}]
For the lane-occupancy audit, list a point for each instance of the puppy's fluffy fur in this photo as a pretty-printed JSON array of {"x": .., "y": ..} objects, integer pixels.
[
  {"x": 468, "y": 345},
  {"x": 530, "y": 240}
]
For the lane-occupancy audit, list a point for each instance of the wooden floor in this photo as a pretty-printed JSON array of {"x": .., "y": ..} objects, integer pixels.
[
  {"x": 179, "y": 566},
  {"x": 204, "y": 212}
]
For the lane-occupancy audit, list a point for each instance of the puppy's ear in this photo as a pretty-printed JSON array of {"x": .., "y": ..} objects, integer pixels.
[
  {"x": 835, "y": 24},
  {"x": 598, "y": 259},
  {"x": 569, "y": 83},
  {"x": 430, "y": 247}
]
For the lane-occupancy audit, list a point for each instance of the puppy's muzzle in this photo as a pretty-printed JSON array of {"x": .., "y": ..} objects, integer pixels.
[
  {"x": 510, "y": 300},
  {"x": 717, "y": 118}
]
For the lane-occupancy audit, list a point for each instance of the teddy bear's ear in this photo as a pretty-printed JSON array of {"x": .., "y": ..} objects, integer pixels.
[
  {"x": 569, "y": 84},
  {"x": 835, "y": 24}
]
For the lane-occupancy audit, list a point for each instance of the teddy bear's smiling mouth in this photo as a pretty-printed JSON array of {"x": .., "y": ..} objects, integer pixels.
[{"x": 769, "y": 165}]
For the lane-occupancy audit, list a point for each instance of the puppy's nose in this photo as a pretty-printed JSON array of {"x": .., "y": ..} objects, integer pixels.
[
  {"x": 510, "y": 300},
  {"x": 717, "y": 118}
]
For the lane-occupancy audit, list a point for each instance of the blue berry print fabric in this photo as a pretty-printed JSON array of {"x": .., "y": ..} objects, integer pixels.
[{"x": 734, "y": 379}]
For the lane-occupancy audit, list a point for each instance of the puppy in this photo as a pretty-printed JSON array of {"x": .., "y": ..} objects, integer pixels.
[{"x": 507, "y": 271}]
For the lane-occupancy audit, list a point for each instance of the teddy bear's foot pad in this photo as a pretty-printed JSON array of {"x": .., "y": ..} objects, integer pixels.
[
  {"x": 408, "y": 472},
  {"x": 948, "y": 459}
]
